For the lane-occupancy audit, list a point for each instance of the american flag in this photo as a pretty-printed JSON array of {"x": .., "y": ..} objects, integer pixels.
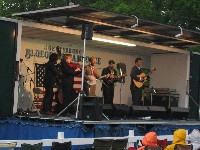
[{"x": 39, "y": 74}]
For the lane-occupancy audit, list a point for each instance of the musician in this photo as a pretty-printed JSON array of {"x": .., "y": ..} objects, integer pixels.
[
  {"x": 108, "y": 83},
  {"x": 68, "y": 73},
  {"x": 135, "y": 91},
  {"x": 91, "y": 74},
  {"x": 51, "y": 74}
]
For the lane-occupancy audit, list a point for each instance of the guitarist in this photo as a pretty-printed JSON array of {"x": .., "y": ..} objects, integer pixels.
[
  {"x": 91, "y": 74},
  {"x": 135, "y": 91},
  {"x": 108, "y": 83}
]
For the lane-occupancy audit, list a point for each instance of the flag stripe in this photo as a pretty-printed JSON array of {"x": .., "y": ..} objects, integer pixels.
[{"x": 77, "y": 82}]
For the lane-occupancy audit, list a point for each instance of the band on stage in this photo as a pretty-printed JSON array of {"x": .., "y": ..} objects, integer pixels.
[{"x": 64, "y": 78}]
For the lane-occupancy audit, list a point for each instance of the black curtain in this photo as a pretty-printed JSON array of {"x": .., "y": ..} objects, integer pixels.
[
  {"x": 194, "y": 86},
  {"x": 8, "y": 46}
]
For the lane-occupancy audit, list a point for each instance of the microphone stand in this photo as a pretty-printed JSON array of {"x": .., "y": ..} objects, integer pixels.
[
  {"x": 190, "y": 97},
  {"x": 103, "y": 83},
  {"x": 193, "y": 100},
  {"x": 102, "y": 88},
  {"x": 103, "y": 97},
  {"x": 121, "y": 81},
  {"x": 120, "y": 97},
  {"x": 27, "y": 96},
  {"x": 79, "y": 99}
]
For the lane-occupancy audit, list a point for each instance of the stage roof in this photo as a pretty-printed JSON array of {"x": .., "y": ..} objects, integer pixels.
[{"x": 115, "y": 25}]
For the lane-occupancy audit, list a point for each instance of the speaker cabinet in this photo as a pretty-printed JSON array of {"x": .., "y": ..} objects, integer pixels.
[
  {"x": 108, "y": 110},
  {"x": 170, "y": 100},
  {"x": 121, "y": 110},
  {"x": 147, "y": 100},
  {"x": 157, "y": 112},
  {"x": 139, "y": 111},
  {"x": 87, "y": 31},
  {"x": 178, "y": 113},
  {"x": 92, "y": 108}
]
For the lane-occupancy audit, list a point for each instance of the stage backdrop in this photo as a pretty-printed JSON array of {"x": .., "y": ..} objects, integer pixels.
[
  {"x": 172, "y": 72},
  {"x": 37, "y": 51}
]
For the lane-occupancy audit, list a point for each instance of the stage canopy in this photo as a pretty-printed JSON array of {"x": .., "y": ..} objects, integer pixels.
[{"x": 115, "y": 25}]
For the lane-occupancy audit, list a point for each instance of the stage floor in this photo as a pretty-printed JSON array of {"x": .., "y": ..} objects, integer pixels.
[
  {"x": 139, "y": 121},
  {"x": 83, "y": 132}
]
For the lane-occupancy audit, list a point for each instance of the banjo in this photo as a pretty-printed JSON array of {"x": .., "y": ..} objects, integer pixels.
[{"x": 94, "y": 79}]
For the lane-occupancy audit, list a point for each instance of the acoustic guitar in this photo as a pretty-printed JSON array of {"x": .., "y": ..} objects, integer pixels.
[{"x": 139, "y": 84}]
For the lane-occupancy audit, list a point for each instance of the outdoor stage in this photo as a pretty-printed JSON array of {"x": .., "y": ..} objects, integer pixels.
[
  {"x": 157, "y": 49},
  {"x": 34, "y": 129}
]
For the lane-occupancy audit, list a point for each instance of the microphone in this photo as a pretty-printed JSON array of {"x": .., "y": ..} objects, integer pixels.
[
  {"x": 120, "y": 70},
  {"x": 153, "y": 89},
  {"x": 21, "y": 76},
  {"x": 32, "y": 80},
  {"x": 21, "y": 60},
  {"x": 28, "y": 69},
  {"x": 87, "y": 61}
]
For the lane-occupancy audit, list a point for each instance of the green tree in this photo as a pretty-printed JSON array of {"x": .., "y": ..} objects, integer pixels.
[
  {"x": 182, "y": 13},
  {"x": 8, "y": 7}
]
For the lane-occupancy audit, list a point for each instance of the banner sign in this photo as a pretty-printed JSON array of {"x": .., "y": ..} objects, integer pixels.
[{"x": 48, "y": 49}]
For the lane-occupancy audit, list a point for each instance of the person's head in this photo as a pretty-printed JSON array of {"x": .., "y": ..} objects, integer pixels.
[
  {"x": 138, "y": 62},
  {"x": 179, "y": 136},
  {"x": 68, "y": 58},
  {"x": 111, "y": 64},
  {"x": 53, "y": 58},
  {"x": 194, "y": 136},
  {"x": 92, "y": 60},
  {"x": 150, "y": 139}
]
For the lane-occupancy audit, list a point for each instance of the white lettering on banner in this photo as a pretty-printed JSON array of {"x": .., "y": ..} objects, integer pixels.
[
  {"x": 49, "y": 49},
  {"x": 37, "y": 53}
]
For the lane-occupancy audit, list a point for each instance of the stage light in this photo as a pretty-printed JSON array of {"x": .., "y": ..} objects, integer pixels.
[
  {"x": 180, "y": 34},
  {"x": 111, "y": 41},
  {"x": 135, "y": 25},
  {"x": 198, "y": 28}
]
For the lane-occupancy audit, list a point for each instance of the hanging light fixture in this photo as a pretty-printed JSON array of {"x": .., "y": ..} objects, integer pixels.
[
  {"x": 180, "y": 34},
  {"x": 113, "y": 42}
]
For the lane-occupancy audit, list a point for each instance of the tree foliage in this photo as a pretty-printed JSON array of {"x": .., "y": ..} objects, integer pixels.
[{"x": 182, "y": 13}]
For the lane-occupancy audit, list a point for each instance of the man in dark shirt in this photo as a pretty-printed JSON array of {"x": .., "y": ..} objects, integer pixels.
[
  {"x": 136, "y": 91},
  {"x": 68, "y": 72},
  {"x": 50, "y": 78},
  {"x": 108, "y": 83}
]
